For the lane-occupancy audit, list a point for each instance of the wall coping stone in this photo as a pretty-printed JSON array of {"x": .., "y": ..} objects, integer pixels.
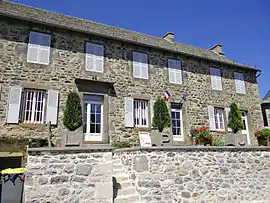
[
  {"x": 99, "y": 148},
  {"x": 195, "y": 148}
]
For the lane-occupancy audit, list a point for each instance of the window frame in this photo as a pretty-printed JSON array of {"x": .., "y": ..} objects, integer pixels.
[
  {"x": 181, "y": 73},
  {"x": 33, "y": 103},
  {"x": 146, "y": 113},
  {"x": 180, "y": 136},
  {"x": 237, "y": 79},
  {"x": 214, "y": 78},
  {"x": 140, "y": 65},
  {"x": 88, "y": 55},
  {"x": 39, "y": 48},
  {"x": 217, "y": 113}
]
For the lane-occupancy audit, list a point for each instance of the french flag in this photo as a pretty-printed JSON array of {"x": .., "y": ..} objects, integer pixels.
[{"x": 167, "y": 95}]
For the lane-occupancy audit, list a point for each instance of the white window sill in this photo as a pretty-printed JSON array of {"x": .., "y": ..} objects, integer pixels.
[{"x": 36, "y": 62}]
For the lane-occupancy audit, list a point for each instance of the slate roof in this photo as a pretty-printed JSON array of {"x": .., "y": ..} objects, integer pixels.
[
  {"x": 49, "y": 18},
  {"x": 267, "y": 96}
]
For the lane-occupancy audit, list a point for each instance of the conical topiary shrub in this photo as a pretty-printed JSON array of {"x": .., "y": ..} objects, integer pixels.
[
  {"x": 73, "y": 112},
  {"x": 235, "y": 120},
  {"x": 161, "y": 117}
]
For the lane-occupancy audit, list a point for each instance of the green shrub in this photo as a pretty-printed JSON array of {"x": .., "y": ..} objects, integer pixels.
[
  {"x": 235, "y": 120},
  {"x": 73, "y": 112},
  {"x": 218, "y": 143},
  {"x": 120, "y": 144},
  {"x": 161, "y": 117}
]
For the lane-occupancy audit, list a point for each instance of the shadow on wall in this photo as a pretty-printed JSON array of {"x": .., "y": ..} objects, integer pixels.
[{"x": 116, "y": 186}]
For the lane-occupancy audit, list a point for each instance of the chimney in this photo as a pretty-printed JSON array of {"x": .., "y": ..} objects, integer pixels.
[
  {"x": 169, "y": 36},
  {"x": 217, "y": 49}
]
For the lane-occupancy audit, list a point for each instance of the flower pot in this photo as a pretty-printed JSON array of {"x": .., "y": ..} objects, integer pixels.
[
  {"x": 262, "y": 141},
  {"x": 204, "y": 142}
]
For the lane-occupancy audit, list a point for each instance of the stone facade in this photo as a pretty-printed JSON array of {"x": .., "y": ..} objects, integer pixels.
[
  {"x": 199, "y": 175},
  {"x": 69, "y": 176},
  {"x": 67, "y": 66},
  {"x": 164, "y": 175},
  {"x": 266, "y": 109}
]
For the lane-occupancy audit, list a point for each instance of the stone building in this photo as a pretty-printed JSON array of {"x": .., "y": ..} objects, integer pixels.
[
  {"x": 118, "y": 74},
  {"x": 266, "y": 109}
]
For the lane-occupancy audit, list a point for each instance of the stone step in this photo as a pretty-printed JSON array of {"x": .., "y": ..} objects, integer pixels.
[
  {"x": 126, "y": 191},
  {"x": 125, "y": 184},
  {"x": 118, "y": 166},
  {"x": 128, "y": 199},
  {"x": 121, "y": 177},
  {"x": 116, "y": 161},
  {"x": 118, "y": 171}
]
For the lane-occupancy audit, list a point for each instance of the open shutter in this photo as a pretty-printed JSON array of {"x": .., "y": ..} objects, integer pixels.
[
  {"x": 14, "y": 102},
  {"x": 171, "y": 71},
  {"x": 144, "y": 66},
  {"x": 211, "y": 115},
  {"x": 152, "y": 102},
  {"x": 239, "y": 83},
  {"x": 227, "y": 111},
  {"x": 99, "y": 58},
  {"x": 52, "y": 107},
  {"x": 129, "y": 118},
  {"x": 90, "y": 57},
  {"x": 178, "y": 72},
  {"x": 136, "y": 65}
]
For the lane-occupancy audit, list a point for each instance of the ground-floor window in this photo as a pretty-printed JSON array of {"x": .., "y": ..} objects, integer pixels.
[
  {"x": 177, "y": 122},
  {"x": 140, "y": 113},
  {"x": 219, "y": 118},
  {"x": 33, "y": 106}
]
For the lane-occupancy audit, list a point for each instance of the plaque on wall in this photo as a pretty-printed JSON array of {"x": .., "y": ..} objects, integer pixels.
[{"x": 145, "y": 139}]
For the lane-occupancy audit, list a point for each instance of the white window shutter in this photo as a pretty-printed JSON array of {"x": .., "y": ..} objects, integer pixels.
[
  {"x": 227, "y": 111},
  {"x": 175, "y": 72},
  {"x": 129, "y": 118},
  {"x": 90, "y": 57},
  {"x": 171, "y": 71},
  {"x": 239, "y": 83},
  {"x": 52, "y": 106},
  {"x": 32, "y": 53},
  {"x": 99, "y": 58},
  {"x": 144, "y": 65},
  {"x": 14, "y": 102},
  {"x": 178, "y": 72},
  {"x": 212, "y": 125},
  {"x": 44, "y": 55},
  {"x": 216, "y": 81},
  {"x": 152, "y": 102},
  {"x": 136, "y": 65}
]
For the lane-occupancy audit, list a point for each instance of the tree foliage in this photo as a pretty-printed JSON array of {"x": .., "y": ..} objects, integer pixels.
[
  {"x": 161, "y": 117},
  {"x": 73, "y": 112},
  {"x": 235, "y": 120}
]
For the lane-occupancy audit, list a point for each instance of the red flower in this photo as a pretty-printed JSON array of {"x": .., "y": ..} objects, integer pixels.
[{"x": 197, "y": 131}]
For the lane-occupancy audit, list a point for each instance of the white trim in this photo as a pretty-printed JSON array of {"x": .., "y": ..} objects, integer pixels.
[
  {"x": 246, "y": 132},
  {"x": 181, "y": 136},
  {"x": 218, "y": 119}
]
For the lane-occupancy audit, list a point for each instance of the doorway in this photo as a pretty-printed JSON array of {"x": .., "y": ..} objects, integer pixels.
[{"x": 245, "y": 130}]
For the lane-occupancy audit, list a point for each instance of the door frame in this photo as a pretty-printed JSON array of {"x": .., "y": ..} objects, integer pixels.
[
  {"x": 93, "y": 136},
  {"x": 245, "y": 132}
]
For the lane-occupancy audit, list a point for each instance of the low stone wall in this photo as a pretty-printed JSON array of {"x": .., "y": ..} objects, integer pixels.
[
  {"x": 164, "y": 175},
  {"x": 206, "y": 174},
  {"x": 69, "y": 175}
]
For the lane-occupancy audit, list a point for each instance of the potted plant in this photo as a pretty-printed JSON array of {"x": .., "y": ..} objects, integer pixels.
[
  {"x": 236, "y": 124},
  {"x": 73, "y": 121},
  {"x": 262, "y": 136},
  {"x": 202, "y": 136},
  {"x": 161, "y": 123}
]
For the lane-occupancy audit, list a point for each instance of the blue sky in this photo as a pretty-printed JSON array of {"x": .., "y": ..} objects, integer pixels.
[{"x": 242, "y": 26}]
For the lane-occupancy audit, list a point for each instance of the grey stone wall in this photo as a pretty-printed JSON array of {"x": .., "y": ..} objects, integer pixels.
[
  {"x": 199, "y": 174},
  {"x": 69, "y": 176},
  {"x": 67, "y": 63}
]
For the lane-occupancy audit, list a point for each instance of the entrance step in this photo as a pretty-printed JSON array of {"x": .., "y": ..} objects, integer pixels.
[{"x": 128, "y": 199}]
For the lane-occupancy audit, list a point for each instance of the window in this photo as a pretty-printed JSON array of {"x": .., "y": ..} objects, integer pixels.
[
  {"x": 239, "y": 83},
  {"x": 33, "y": 106},
  {"x": 219, "y": 120},
  {"x": 216, "y": 81},
  {"x": 39, "y": 48},
  {"x": 140, "y": 113},
  {"x": 175, "y": 74},
  {"x": 94, "y": 60},
  {"x": 140, "y": 65},
  {"x": 177, "y": 126}
]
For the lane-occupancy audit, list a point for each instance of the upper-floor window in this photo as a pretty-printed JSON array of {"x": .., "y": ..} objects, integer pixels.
[
  {"x": 140, "y": 65},
  {"x": 175, "y": 72},
  {"x": 39, "y": 48},
  {"x": 94, "y": 59},
  {"x": 239, "y": 83},
  {"x": 32, "y": 106},
  {"x": 216, "y": 81}
]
